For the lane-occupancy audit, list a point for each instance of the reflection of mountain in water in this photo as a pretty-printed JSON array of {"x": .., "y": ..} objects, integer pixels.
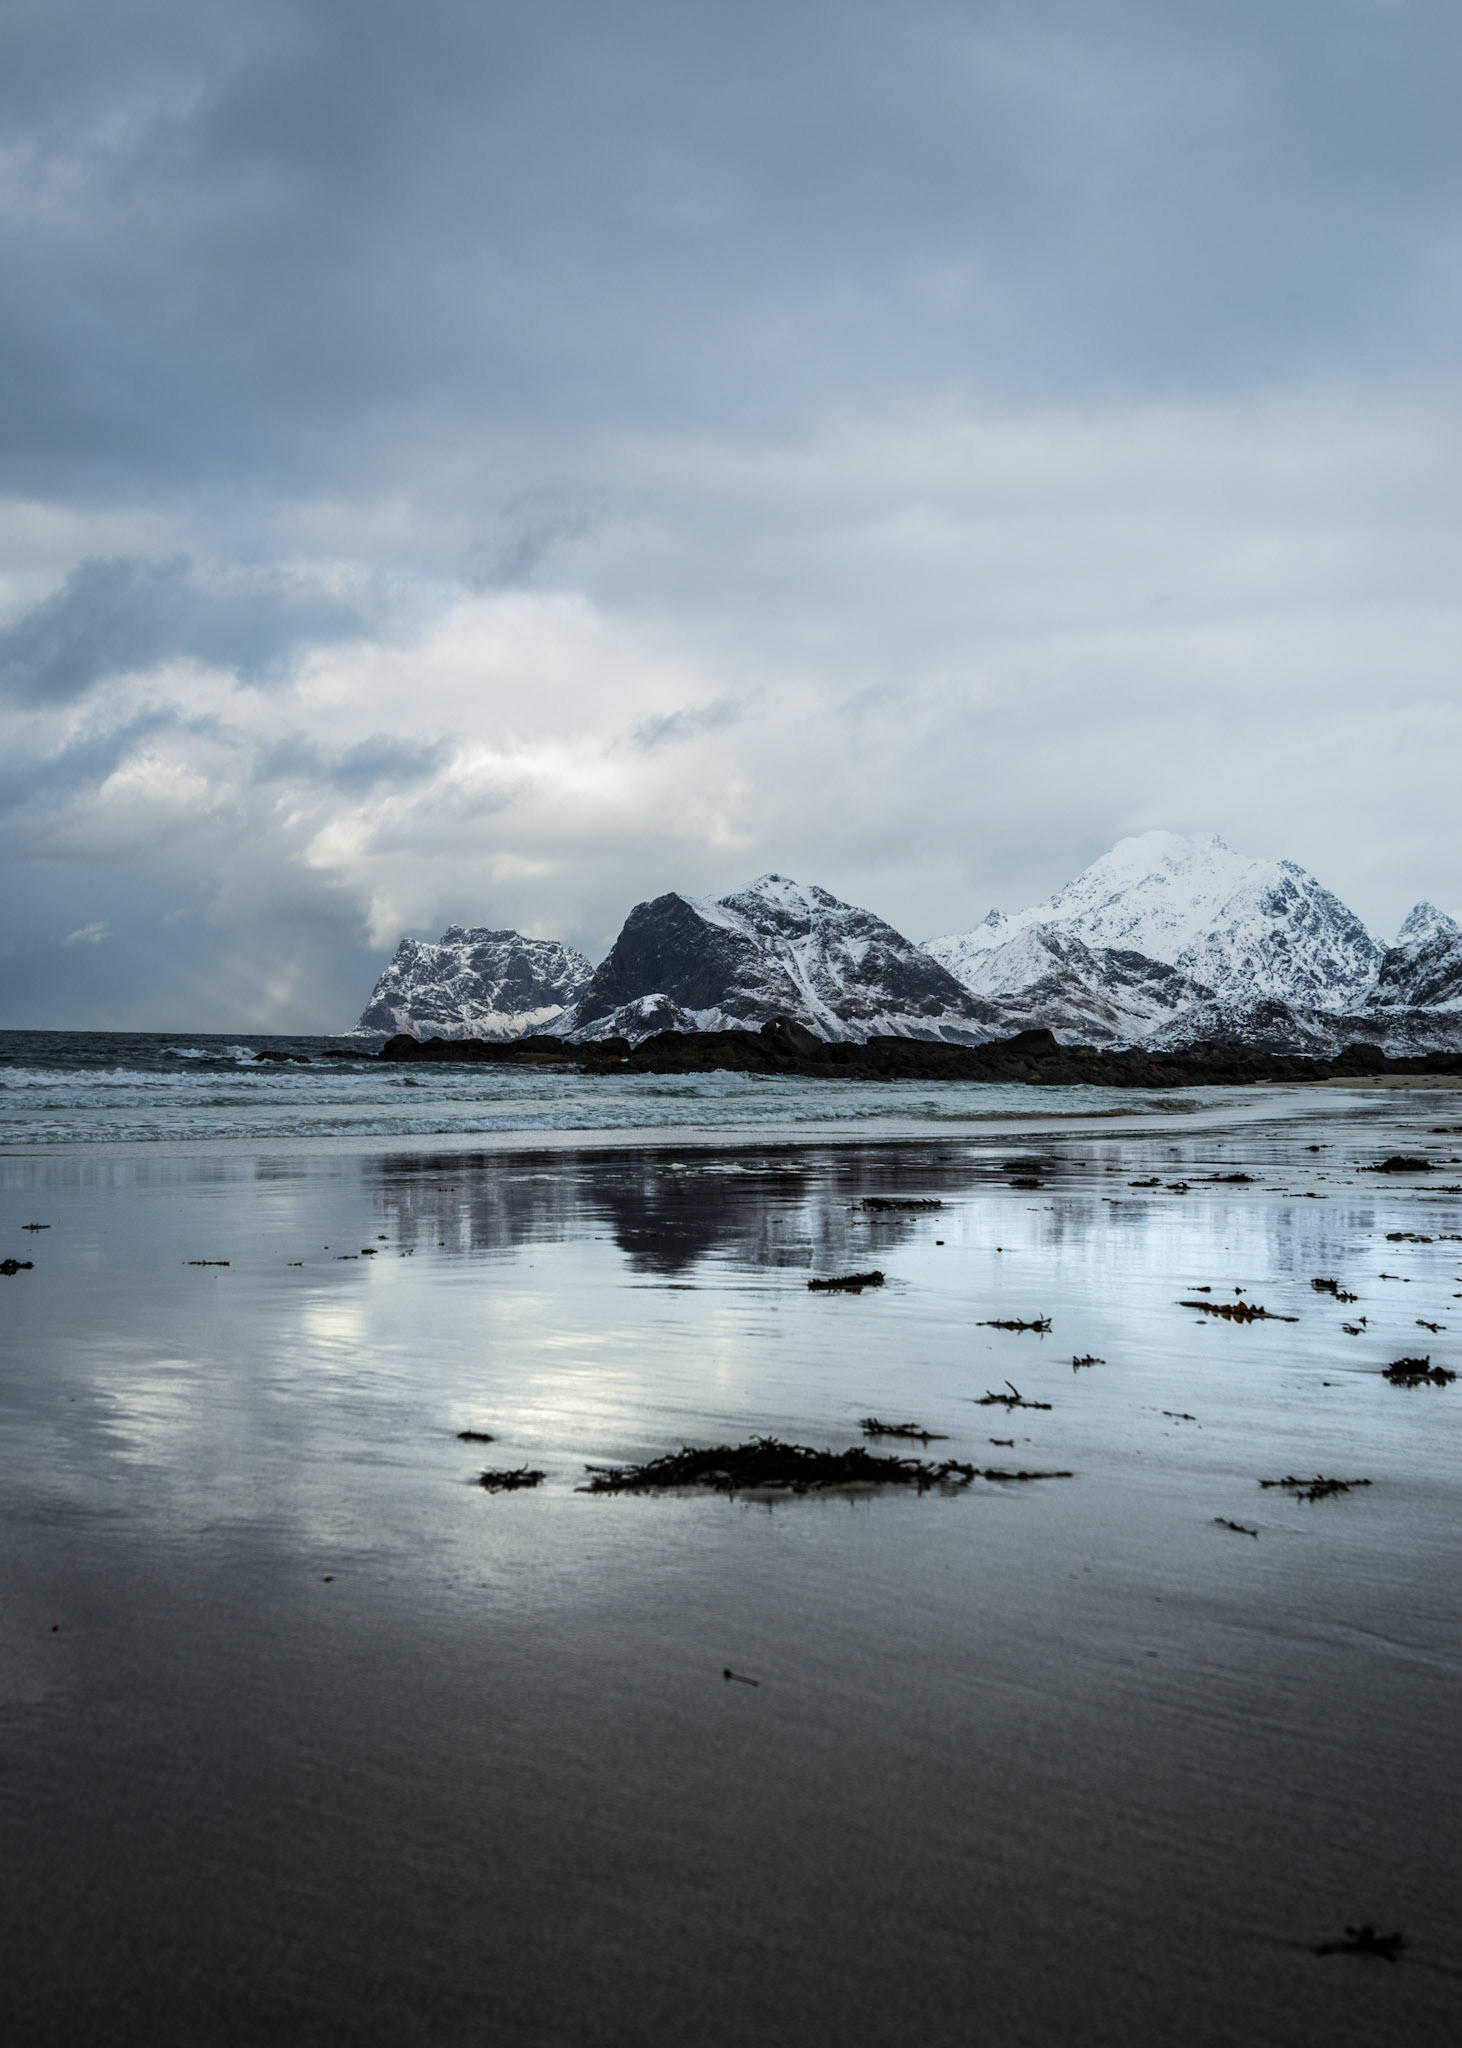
[
  {"x": 666, "y": 1211},
  {"x": 478, "y": 1201}
]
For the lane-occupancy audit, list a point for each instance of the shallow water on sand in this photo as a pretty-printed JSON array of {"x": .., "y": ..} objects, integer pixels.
[{"x": 308, "y": 1738}]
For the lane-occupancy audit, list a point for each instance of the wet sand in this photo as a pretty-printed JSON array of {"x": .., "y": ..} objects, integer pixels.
[{"x": 310, "y": 1739}]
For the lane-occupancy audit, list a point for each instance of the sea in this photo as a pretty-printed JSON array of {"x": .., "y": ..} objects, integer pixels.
[{"x": 111, "y": 1087}]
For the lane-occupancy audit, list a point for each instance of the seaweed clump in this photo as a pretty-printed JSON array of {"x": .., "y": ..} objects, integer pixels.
[
  {"x": 1239, "y": 1311},
  {"x": 1364, "y": 1941},
  {"x": 1318, "y": 1488},
  {"x": 1417, "y": 1372},
  {"x": 910, "y": 1431},
  {"x": 513, "y": 1481},
  {"x": 846, "y": 1283},
  {"x": 1039, "y": 1323},
  {"x": 768, "y": 1465}
]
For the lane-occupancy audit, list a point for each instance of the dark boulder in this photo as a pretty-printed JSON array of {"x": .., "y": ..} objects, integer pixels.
[{"x": 786, "y": 1035}]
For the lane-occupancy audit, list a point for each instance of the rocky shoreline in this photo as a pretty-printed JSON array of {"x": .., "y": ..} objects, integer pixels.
[{"x": 785, "y": 1047}]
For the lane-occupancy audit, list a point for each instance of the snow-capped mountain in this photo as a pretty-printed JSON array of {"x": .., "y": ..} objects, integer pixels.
[
  {"x": 1243, "y": 930},
  {"x": 776, "y": 949},
  {"x": 474, "y": 983},
  {"x": 1424, "y": 967},
  {"x": 1169, "y": 941}
]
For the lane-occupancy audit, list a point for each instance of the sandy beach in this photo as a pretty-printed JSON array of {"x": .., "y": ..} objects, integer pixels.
[{"x": 310, "y": 1738}]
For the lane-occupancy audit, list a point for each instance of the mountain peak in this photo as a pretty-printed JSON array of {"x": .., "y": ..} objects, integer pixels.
[
  {"x": 1239, "y": 926},
  {"x": 474, "y": 982},
  {"x": 776, "y": 948},
  {"x": 1426, "y": 922}
]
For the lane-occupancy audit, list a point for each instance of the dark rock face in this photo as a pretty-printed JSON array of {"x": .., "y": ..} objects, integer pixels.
[
  {"x": 475, "y": 983},
  {"x": 777, "y": 949}
]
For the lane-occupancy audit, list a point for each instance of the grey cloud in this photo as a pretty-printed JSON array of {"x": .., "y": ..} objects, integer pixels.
[
  {"x": 127, "y": 613},
  {"x": 379, "y": 759},
  {"x": 529, "y": 532},
  {"x": 685, "y": 724}
]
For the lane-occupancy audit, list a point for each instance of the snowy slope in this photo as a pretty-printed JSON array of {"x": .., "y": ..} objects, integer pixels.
[
  {"x": 778, "y": 948},
  {"x": 1248, "y": 930},
  {"x": 475, "y": 983},
  {"x": 1102, "y": 995}
]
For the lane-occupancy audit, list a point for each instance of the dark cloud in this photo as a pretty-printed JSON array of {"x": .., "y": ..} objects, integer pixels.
[
  {"x": 261, "y": 243},
  {"x": 370, "y": 763},
  {"x": 125, "y": 614},
  {"x": 81, "y": 764}
]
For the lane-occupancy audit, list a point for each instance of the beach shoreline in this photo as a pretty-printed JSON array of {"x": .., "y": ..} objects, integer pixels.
[{"x": 1097, "y": 1760}]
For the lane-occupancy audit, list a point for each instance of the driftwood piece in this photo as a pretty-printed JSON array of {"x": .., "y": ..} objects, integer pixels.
[{"x": 1014, "y": 1399}]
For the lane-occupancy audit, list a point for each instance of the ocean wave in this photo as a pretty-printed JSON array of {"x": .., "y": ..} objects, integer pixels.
[{"x": 69, "y": 1090}]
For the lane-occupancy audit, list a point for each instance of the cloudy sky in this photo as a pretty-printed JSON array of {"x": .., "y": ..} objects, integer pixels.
[{"x": 492, "y": 463}]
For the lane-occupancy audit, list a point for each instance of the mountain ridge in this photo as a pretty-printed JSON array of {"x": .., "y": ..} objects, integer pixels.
[{"x": 1164, "y": 941}]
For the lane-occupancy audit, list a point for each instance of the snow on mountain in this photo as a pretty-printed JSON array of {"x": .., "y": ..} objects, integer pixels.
[
  {"x": 1271, "y": 1026},
  {"x": 1244, "y": 929},
  {"x": 1424, "y": 967},
  {"x": 778, "y": 948},
  {"x": 475, "y": 983},
  {"x": 1100, "y": 995}
]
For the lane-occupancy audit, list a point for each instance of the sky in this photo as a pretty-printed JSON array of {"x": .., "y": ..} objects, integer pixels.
[{"x": 492, "y": 464}]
